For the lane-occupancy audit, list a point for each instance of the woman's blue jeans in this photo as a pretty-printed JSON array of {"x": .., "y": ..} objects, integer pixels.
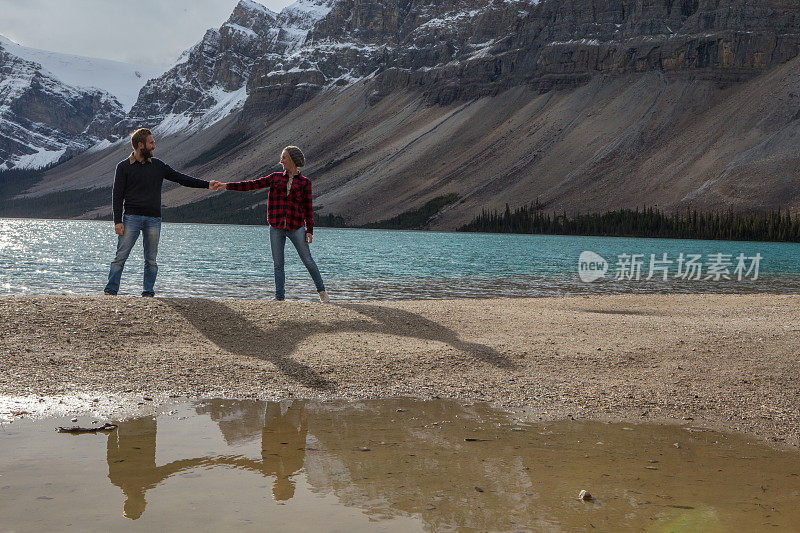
[
  {"x": 277, "y": 241},
  {"x": 150, "y": 228}
]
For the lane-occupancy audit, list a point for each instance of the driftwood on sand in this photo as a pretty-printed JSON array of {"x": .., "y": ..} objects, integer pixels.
[{"x": 77, "y": 429}]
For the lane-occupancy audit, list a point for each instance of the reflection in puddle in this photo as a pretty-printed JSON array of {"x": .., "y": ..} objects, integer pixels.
[
  {"x": 283, "y": 427},
  {"x": 392, "y": 465}
]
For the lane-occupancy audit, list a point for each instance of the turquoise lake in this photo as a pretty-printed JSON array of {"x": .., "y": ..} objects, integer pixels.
[{"x": 200, "y": 260}]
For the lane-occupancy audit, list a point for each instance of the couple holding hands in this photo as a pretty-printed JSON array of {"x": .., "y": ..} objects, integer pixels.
[{"x": 137, "y": 209}]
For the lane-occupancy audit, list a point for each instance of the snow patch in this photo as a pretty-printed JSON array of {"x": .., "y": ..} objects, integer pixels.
[
  {"x": 105, "y": 143},
  {"x": 447, "y": 20},
  {"x": 172, "y": 123},
  {"x": 40, "y": 159},
  {"x": 241, "y": 29},
  {"x": 226, "y": 103},
  {"x": 481, "y": 50},
  {"x": 314, "y": 10},
  {"x": 590, "y": 42},
  {"x": 255, "y": 6}
]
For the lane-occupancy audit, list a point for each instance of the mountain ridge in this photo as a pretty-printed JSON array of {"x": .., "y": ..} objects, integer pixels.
[
  {"x": 608, "y": 104},
  {"x": 42, "y": 119},
  {"x": 123, "y": 80}
]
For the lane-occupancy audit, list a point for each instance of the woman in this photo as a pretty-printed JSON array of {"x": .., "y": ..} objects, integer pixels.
[{"x": 289, "y": 206}]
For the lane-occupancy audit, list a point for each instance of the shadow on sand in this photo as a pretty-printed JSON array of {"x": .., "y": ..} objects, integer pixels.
[{"x": 235, "y": 333}]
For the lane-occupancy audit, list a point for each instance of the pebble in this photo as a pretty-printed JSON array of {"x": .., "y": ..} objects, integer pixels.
[{"x": 584, "y": 495}]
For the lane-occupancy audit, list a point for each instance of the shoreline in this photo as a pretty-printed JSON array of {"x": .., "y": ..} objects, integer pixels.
[
  {"x": 423, "y": 230},
  {"x": 721, "y": 361}
]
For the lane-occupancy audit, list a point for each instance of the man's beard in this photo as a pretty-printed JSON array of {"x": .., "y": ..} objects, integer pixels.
[{"x": 145, "y": 153}]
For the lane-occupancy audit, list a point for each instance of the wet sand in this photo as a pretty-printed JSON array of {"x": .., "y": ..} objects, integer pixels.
[{"x": 730, "y": 362}]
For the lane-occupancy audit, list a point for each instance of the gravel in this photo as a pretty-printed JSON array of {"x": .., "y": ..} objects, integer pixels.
[{"x": 729, "y": 362}]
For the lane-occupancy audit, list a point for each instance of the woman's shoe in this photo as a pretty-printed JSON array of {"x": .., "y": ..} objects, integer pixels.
[{"x": 323, "y": 297}]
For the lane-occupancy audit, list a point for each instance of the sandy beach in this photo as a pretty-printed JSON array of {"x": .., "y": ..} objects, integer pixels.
[{"x": 728, "y": 362}]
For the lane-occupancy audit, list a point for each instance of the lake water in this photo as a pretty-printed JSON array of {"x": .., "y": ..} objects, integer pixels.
[
  {"x": 73, "y": 257},
  {"x": 386, "y": 465}
]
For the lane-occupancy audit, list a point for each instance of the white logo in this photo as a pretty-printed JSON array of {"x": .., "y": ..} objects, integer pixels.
[{"x": 591, "y": 266}]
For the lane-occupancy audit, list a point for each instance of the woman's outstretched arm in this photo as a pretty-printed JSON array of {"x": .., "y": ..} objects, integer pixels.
[{"x": 250, "y": 185}]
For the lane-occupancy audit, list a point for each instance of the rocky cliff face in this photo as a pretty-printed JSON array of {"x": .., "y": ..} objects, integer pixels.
[
  {"x": 563, "y": 44},
  {"x": 43, "y": 120},
  {"x": 267, "y": 63},
  {"x": 465, "y": 49},
  {"x": 394, "y": 44},
  {"x": 209, "y": 81},
  {"x": 726, "y": 40}
]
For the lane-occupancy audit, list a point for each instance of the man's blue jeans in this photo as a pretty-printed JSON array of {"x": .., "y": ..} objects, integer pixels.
[
  {"x": 277, "y": 241},
  {"x": 150, "y": 227}
]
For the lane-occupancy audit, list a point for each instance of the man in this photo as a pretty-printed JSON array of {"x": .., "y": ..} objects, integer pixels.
[{"x": 137, "y": 206}]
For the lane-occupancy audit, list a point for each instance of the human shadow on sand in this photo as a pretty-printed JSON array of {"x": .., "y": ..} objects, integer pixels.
[
  {"x": 235, "y": 333},
  {"x": 238, "y": 335},
  {"x": 392, "y": 321}
]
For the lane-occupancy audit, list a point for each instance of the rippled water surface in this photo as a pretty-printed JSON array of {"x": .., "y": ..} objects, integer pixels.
[
  {"x": 387, "y": 465},
  {"x": 73, "y": 257}
]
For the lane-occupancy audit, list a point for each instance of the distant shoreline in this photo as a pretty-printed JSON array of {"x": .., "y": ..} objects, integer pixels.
[
  {"x": 422, "y": 230},
  {"x": 722, "y": 361}
]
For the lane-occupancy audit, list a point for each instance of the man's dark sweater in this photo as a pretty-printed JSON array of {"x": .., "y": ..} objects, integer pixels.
[{"x": 137, "y": 186}]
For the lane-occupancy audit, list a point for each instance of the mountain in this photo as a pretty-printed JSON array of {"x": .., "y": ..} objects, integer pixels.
[
  {"x": 122, "y": 80},
  {"x": 584, "y": 105},
  {"x": 56, "y": 105},
  {"x": 42, "y": 119},
  {"x": 210, "y": 80}
]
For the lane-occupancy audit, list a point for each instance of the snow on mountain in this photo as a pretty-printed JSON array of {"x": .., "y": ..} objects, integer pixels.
[
  {"x": 392, "y": 44},
  {"x": 313, "y": 10},
  {"x": 123, "y": 80},
  {"x": 43, "y": 119},
  {"x": 256, "y": 7},
  {"x": 210, "y": 79},
  {"x": 225, "y": 104},
  {"x": 304, "y": 13},
  {"x": 299, "y": 18}
]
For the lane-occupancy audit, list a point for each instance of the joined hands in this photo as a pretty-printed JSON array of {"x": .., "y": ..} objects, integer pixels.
[{"x": 215, "y": 185}]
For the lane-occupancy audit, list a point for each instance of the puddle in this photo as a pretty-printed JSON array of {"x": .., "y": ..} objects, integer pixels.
[{"x": 388, "y": 465}]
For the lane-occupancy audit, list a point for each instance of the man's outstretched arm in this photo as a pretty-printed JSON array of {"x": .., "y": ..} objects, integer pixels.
[{"x": 187, "y": 181}]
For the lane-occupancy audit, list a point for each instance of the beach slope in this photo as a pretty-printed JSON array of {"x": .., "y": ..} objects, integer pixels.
[{"x": 723, "y": 361}]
